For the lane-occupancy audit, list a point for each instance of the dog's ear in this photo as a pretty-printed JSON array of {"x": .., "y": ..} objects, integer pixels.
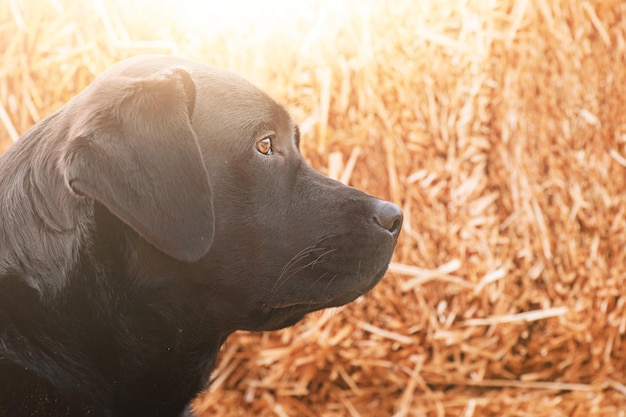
[{"x": 136, "y": 153}]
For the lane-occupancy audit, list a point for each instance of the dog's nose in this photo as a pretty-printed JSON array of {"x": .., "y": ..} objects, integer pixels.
[{"x": 388, "y": 216}]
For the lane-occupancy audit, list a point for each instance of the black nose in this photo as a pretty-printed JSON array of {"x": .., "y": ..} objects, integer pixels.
[{"x": 388, "y": 216}]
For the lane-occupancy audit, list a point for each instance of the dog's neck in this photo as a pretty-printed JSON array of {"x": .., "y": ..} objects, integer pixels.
[{"x": 37, "y": 236}]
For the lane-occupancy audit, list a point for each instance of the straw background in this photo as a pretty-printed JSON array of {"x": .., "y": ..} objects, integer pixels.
[{"x": 498, "y": 126}]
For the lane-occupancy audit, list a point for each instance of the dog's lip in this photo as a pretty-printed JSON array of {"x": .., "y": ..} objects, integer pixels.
[
  {"x": 312, "y": 305},
  {"x": 304, "y": 306},
  {"x": 295, "y": 304}
]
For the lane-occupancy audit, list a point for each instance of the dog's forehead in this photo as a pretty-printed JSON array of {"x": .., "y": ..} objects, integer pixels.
[
  {"x": 229, "y": 92},
  {"x": 227, "y": 102}
]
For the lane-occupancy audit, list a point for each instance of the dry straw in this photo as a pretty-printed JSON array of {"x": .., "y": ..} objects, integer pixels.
[{"x": 499, "y": 126}]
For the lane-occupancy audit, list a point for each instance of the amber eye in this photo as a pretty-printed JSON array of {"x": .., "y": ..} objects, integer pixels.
[{"x": 264, "y": 146}]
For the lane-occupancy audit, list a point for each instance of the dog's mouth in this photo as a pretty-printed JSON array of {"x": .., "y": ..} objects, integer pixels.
[
  {"x": 299, "y": 306},
  {"x": 291, "y": 305},
  {"x": 344, "y": 291},
  {"x": 279, "y": 314},
  {"x": 310, "y": 306},
  {"x": 275, "y": 317}
]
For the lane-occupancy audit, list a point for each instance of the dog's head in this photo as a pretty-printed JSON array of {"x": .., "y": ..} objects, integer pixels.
[{"x": 206, "y": 168}]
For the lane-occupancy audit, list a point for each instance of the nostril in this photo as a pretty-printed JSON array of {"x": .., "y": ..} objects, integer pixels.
[
  {"x": 389, "y": 216},
  {"x": 396, "y": 226}
]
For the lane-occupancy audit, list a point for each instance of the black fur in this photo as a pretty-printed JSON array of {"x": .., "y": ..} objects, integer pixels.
[{"x": 140, "y": 226}]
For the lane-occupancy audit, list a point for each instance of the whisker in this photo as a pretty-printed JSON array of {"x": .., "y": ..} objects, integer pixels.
[
  {"x": 303, "y": 253},
  {"x": 289, "y": 269},
  {"x": 312, "y": 263},
  {"x": 283, "y": 277},
  {"x": 330, "y": 281},
  {"x": 319, "y": 279}
]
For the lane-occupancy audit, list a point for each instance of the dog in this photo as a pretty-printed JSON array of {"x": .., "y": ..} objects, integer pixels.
[{"x": 160, "y": 210}]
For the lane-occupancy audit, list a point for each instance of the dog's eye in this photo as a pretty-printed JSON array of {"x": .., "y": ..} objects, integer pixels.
[{"x": 264, "y": 146}]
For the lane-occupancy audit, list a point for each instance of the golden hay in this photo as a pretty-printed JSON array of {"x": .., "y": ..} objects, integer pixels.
[{"x": 499, "y": 127}]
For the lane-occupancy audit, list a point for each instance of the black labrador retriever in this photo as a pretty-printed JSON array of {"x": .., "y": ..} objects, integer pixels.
[{"x": 160, "y": 210}]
